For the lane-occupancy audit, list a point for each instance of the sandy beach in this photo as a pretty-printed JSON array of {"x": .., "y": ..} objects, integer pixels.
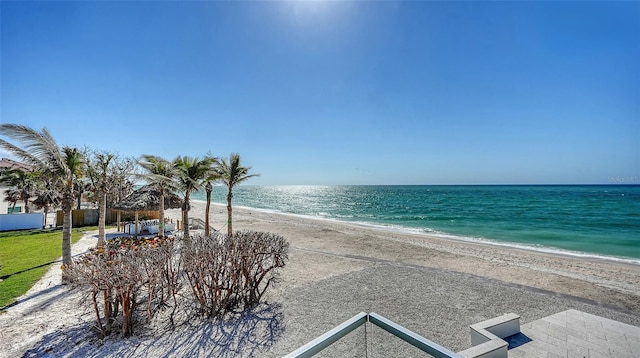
[{"x": 434, "y": 286}]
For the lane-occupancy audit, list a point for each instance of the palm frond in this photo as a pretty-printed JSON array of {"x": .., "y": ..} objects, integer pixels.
[
  {"x": 38, "y": 148},
  {"x": 232, "y": 172},
  {"x": 21, "y": 154},
  {"x": 159, "y": 173},
  {"x": 193, "y": 173}
]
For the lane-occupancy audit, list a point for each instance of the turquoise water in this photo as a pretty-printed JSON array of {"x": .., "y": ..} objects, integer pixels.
[{"x": 579, "y": 220}]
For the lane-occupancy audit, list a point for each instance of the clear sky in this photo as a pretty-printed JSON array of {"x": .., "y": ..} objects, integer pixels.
[{"x": 338, "y": 92}]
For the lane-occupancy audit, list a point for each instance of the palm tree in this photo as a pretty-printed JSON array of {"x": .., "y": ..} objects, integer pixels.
[
  {"x": 213, "y": 176},
  {"x": 46, "y": 196},
  {"x": 232, "y": 174},
  {"x": 192, "y": 174},
  {"x": 159, "y": 174},
  {"x": 22, "y": 181},
  {"x": 64, "y": 165},
  {"x": 12, "y": 196},
  {"x": 80, "y": 187},
  {"x": 98, "y": 171},
  {"x": 72, "y": 168}
]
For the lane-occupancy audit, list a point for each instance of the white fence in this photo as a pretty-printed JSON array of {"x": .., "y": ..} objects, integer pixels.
[{"x": 21, "y": 221}]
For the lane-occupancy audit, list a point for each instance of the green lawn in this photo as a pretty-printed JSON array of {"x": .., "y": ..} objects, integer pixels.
[{"x": 25, "y": 256}]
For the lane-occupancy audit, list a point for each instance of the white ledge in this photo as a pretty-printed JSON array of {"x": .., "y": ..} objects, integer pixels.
[{"x": 486, "y": 337}]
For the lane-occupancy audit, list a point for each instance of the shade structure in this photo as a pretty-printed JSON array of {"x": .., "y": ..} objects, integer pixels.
[{"x": 148, "y": 198}]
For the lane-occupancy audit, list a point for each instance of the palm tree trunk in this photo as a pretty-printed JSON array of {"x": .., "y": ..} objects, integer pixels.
[
  {"x": 161, "y": 215},
  {"x": 185, "y": 223},
  {"x": 206, "y": 216},
  {"x": 102, "y": 218},
  {"x": 46, "y": 213},
  {"x": 185, "y": 216},
  {"x": 229, "y": 214},
  {"x": 66, "y": 237},
  {"x": 79, "y": 199}
]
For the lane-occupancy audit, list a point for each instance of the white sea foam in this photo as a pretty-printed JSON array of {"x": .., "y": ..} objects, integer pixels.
[
  {"x": 439, "y": 234},
  {"x": 521, "y": 246}
]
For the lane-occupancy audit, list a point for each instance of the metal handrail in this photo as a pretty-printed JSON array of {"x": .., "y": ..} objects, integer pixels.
[
  {"x": 200, "y": 224},
  {"x": 411, "y": 337},
  {"x": 312, "y": 348}
]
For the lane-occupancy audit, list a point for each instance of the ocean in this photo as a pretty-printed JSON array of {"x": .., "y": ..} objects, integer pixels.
[{"x": 582, "y": 220}]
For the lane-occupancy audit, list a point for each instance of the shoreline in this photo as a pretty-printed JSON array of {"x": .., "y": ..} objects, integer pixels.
[
  {"x": 445, "y": 236},
  {"x": 600, "y": 280}
]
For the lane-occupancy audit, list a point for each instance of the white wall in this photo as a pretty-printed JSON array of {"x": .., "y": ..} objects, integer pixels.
[{"x": 21, "y": 221}]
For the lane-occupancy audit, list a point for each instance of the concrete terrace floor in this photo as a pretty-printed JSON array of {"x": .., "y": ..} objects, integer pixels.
[{"x": 573, "y": 333}]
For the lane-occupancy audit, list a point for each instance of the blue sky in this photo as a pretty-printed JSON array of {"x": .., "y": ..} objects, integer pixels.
[{"x": 338, "y": 92}]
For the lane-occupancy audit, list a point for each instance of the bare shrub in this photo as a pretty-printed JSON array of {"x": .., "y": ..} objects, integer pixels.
[
  {"x": 224, "y": 272},
  {"x": 261, "y": 254},
  {"x": 120, "y": 273},
  {"x": 206, "y": 265}
]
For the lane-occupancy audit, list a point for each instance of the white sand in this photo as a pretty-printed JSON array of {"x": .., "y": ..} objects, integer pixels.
[{"x": 432, "y": 285}]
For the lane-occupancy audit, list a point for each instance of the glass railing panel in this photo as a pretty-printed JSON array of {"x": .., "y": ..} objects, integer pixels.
[
  {"x": 384, "y": 344},
  {"x": 371, "y": 335},
  {"x": 353, "y": 345}
]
